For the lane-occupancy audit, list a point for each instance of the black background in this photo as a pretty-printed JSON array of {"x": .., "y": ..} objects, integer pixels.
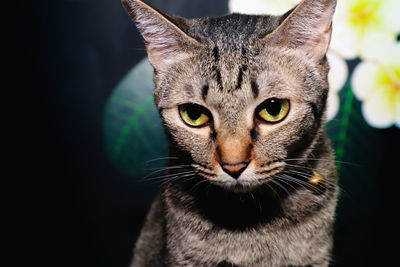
[{"x": 79, "y": 210}]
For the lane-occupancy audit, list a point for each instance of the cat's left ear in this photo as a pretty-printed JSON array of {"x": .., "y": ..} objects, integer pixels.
[
  {"x": 165, "y": 40},
  {"x": 307, "y": 27}
]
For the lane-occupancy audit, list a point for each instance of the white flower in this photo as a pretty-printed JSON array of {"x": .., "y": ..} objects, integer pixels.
[
  {"x": 361, "y": 25},
  {"x": 270, "y": 7},
  {"x": 376, "y": 82},
  {"x": 337, "y": 77}
]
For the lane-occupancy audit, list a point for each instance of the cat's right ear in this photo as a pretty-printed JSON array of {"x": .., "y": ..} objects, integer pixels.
[
  {"x": 165, "y": 41},
  {"x": 307, "y": 27}
]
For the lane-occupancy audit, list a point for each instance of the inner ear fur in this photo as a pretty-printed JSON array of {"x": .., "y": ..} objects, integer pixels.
[{"x": 307, "y": 27}]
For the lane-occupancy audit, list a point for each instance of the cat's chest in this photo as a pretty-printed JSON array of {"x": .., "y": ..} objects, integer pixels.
[
  {"x": 253, "y": 247},
  {"x": 193, "y": 242}
]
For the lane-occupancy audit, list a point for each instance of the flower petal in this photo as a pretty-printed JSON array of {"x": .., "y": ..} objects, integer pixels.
[
  {"x": 332, "y": 105},
  {"x": 270, "y": 7},
  {"x": 359, "y": 25},
  {"x": 338, "y": 72},
  {"x": 380, "y": 47},
  {"x": 343, "y": 41},
  {"x": 363, "y": 79},
  {"x": 378, "y": 109}
]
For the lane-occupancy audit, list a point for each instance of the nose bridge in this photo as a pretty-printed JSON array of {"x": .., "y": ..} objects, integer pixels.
[{"x": 233, "y": 149}]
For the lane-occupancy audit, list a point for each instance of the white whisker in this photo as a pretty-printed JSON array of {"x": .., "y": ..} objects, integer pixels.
[
  {"x": 164, "y": 169},
  {"x": 319, "y": 159},
  {"x": 162, "y": 158},
  {"x": 169, "y": 175},
  {"x": 281, "y": 186}
]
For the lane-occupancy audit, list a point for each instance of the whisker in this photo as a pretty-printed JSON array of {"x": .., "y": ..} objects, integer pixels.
[
  {"x": 302, "y": 174},
  {"x": 164, "y": 169},
  {"x": 170, "y": 167},
  {"x": 298, "y": 166},
  {"x": 307, "y": 176},
  {"x": 303, "y": 184},
  {"x": 308, "y": 185},
  {"x": 157, "y": 159},
  {"x": 291, "y": 179},
  {"x": 281, "y": 186},
  {"x": 320, "y": 159},
  {"x": 327, "y": 182},
  {"x": 185, "y": 178},
  {"x": 168, "y": 175},
  {"x": 256, "y": 203},
  {"x": 198, "y": 183},
  {"x": 270, "y": 187},
  {"x": 283, "y": 181},
  {"x": 168, "y": 179}
]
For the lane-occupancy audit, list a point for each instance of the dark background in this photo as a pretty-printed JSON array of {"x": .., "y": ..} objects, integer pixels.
[{"x": 81, "y": 211}]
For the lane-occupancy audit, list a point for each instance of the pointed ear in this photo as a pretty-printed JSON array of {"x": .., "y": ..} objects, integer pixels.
[
  {"x": 165, "y": 42},
  {"x": 307, "y": 27}
]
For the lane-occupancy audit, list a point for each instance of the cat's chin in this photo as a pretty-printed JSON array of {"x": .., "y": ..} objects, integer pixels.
[{"x": 238, "y": 186}]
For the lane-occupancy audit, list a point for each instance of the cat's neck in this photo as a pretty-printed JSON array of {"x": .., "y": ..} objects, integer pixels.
[{"x": 222, "y": 207}]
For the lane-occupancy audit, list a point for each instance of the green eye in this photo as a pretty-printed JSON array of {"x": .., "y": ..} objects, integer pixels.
[
  {"x": 194, "y": 115},
  {"x": 273, "y": 110}
]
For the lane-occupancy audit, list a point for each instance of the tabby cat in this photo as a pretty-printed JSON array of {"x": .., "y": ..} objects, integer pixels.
[{"x": 251, "y": 178}]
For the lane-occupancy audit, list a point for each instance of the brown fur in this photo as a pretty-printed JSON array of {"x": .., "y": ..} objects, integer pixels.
[{"x": 269, "y": 215}]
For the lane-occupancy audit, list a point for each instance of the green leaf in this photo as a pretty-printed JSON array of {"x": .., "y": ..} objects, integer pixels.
[
  {"x": 133, "y": 131},
  {"x": 346, "y": 110}
]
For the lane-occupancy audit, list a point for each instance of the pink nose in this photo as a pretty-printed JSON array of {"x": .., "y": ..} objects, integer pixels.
[{"x": 234, "y": 170}]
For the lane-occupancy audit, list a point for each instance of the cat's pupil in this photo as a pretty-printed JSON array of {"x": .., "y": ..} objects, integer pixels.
[
  {"x": 194, "y": 111},
  {"x": 273, "y": 106}
]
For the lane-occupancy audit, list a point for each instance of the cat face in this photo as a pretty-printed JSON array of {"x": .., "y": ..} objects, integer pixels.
[
  {"x": 240, "y": 137},
  {"x": 240, "y": 95}
]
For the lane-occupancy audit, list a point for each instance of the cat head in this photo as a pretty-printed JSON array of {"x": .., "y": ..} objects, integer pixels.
[{"x": 239, "y": 94}]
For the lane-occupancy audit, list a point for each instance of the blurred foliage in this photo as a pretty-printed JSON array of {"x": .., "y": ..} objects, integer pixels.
[{"x": 133, "y": 131}]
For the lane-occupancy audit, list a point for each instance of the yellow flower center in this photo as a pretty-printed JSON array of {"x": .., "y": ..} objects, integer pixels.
[
  {"x": 364, "y": 14},
  {"x": 388, "y": 84},
  {"x": 389, "y": 76}
]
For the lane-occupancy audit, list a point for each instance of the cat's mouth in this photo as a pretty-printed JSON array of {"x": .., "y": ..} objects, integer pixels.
[{"x": 251, "y": 179}]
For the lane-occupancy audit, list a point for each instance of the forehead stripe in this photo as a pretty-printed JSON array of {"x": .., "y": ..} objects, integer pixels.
[
  {"x": 204, "y": 91},
  {"x": 242, "y": 69},
  {"x": 217, "y": 73},
  {"x": 240, "y": 78},
  {"x": 254, "y": 88}
]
